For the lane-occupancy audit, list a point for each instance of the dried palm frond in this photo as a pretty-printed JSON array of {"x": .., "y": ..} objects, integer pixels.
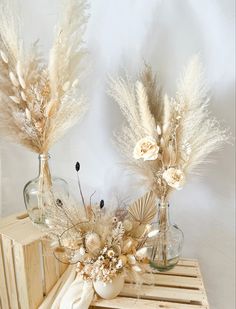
[
  {"x": 144, "y": 209},
  {"x": 39, "y": 103},
  {"x": 180, "y": 129}
]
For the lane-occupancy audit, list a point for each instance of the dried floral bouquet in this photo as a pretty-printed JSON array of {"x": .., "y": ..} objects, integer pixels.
[
  {"x": 165, "y": 138},
  {"x": 102, "y": 240},
  {"x": 39, "y": 102}
]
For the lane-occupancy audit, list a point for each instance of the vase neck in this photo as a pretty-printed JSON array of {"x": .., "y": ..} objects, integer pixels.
[
  {"x": 163, "y": 215},
  {"x": 43, "y": 164}
]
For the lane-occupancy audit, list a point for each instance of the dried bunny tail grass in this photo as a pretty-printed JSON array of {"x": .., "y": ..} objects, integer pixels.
[
  {"x": 68, "y": 50},
  {"x": 197, "y": 128}
]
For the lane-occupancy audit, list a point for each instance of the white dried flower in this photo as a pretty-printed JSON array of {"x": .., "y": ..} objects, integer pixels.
[
  {"x": 146, "y": 149},
  {"x": 110, "y": 253},
  {"x": 174, "y": 177}
]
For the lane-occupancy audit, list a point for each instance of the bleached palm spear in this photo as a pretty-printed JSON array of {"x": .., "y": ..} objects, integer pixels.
[
  {"x": 40, "y": 102},
  {"x": 164, "y": 138}
]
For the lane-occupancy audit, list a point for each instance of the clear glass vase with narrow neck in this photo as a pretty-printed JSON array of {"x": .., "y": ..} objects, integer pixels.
[
  {"x": 42, "y": 191},
  {"x": 165, "y": 240}
]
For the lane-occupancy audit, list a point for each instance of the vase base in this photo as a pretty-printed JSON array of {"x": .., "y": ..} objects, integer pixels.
[{"x": 164, "y": 265}]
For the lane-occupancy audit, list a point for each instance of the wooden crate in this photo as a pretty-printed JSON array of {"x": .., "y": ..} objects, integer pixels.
[
  {"x": 179, "y": 288},
  {"x": 28, "y": 270}
]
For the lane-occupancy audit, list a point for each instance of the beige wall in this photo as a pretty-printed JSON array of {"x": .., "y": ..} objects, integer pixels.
[{"x": 166, "y": 33}]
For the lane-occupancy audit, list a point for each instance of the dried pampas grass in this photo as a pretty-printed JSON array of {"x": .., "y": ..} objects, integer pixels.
[
  {"x": 165, "y": 138},
  {"x": 39, "y": 102}
]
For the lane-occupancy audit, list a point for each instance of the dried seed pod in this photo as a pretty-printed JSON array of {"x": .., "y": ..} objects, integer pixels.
[
  {"x": 77, "y": 166},
  {"x": 28, "y": 114},
  {"x": 23, "y": 96},
  {"x": 101, "y": 204},
  {"x": 3, "y": 56},
  {"x": 13, "y": 79},
  {"x": 159, "y": 132},
  {"x": 14, "y": 99}
]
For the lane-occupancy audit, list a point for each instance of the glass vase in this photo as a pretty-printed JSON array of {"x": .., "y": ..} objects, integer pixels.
[
  {"x": 43, "y": 191},
  {"x": 165, "y": 241}
]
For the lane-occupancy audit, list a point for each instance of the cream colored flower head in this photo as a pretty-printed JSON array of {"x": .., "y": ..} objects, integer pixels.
[
  {"x": 146, "y": 149},
  {"x": 174, "y": 177}
]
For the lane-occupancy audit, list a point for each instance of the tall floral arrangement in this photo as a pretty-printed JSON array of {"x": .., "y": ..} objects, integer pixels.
[
  {"x": 166, "y": 138},
  {"x": 40, "y": 101}
]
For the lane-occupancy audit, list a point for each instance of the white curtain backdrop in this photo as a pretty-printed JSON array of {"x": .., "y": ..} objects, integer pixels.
[{"x": 166, "y": 33}]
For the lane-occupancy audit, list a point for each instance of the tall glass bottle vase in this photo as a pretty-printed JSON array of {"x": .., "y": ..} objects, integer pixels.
[
  {"x": 165, "y": 241},
  {"x": 42, "y": 191}
]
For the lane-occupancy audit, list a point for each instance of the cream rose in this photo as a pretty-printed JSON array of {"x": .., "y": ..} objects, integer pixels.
[
  {"x": 146, "y": 149},
  {"x": 174, "y": 177}
]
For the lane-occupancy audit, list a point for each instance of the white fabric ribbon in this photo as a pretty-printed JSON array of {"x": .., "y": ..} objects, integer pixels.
[{"x": 70, "y": 292}]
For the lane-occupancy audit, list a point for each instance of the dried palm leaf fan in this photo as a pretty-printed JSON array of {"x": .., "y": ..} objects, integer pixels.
[
  {"x": 39, "y": 102},
  {"x": 144, "y": 209}
]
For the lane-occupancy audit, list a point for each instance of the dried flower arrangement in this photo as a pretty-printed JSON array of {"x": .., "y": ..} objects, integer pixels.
[
  {"x": 102, "y": 240},
  {"x": 39, "y": 102},
  {"x": 166, "y": 138}
]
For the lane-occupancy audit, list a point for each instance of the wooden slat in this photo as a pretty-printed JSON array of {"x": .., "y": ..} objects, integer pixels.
[
  {"x": 29, "y": 275},
  {"x": 163, "y": 293},
  {"x": 169, "y": 280},
  {"x": 188, "y": 262},
  {"x": 23, "y": 232},
  {"x": 10, "y": 220},
  {"x": 21, "y": 277},
  {"x": 181, "y": 271},
  {"x": 10, "y": 271},
  {"x": 128, "y": 303},
  {"x": 34, "y": 274},
  {"x": 4, "y": 301},
  {"x": 50, "y": 266}
]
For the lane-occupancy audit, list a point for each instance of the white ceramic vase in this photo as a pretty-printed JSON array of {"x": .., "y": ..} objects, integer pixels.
[{"x": 109, "y": 290}]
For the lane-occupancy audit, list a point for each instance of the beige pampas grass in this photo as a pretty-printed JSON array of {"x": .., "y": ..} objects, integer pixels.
[
  {"x": 40, "y": 102},
  {"x": 181, "y": 128}
]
